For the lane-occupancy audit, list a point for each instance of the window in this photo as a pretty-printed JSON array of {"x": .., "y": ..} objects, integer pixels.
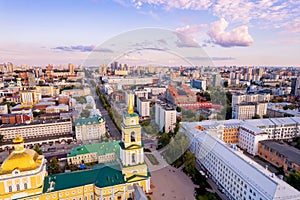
[
  {"x": 132, "y": 136},
  {"x": 18, "y": 187},
  {"x": 25, "y": 186},
  {"x": 9, "y": 188},
  {"x": 133, "y": 158}
]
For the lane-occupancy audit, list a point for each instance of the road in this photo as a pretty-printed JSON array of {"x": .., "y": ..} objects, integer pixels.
[{"x": 113, "y": 131}]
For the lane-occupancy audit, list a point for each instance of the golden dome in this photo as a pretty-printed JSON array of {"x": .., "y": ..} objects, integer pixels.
[{"x": 21, "y": 159}]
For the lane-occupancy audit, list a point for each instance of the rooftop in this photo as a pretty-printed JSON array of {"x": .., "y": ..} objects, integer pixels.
[
  {"x": 291, "y": 153},
  {"x": 101, "y": 148},
  {"x": 102, "y": 176},
  {"x": 256, "y": 175},
  {"x": 88, "y": 121}
]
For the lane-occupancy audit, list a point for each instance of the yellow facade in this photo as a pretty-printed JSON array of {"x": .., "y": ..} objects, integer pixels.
[{"x": 23, "y": 174}]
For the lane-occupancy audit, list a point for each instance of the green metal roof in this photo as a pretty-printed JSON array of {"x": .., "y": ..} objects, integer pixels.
[
  {"x": 101, "y": 149},
  {"x": 101, "y": 176},
  {"x": 89, "y": 121}
]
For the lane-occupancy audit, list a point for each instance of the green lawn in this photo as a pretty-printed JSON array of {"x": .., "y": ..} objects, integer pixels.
[{"x": 152, "y": 159}]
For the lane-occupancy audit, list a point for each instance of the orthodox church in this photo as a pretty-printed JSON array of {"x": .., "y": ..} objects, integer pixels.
[{"x": 23, "y": 174}]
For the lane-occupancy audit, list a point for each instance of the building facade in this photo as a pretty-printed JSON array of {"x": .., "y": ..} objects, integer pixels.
[
  {"x": 165, "y": 116},
  {"x": 92, "y": 128},
  {"x": 143, "y": 107},
  {"x": 236, "y": 175},
  {"x": 37, "y": 131},
  {"x": 107, "y": 181},
  {"x": 280, "y": 155}
]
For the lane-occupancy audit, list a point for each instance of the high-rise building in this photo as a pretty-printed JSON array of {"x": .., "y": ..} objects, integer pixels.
[
  {"x": 199, "y": 84},
  {"x": 71, "y": 68},
  {"x": 143, "y": 107},
  {"x": 165, "y": 116}
]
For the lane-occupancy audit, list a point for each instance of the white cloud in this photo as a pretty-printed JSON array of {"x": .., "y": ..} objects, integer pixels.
[
  {"x": 191, "y": 29},
  {"x": 268, "y": 13},
  {"x": 238, "y": 36}
]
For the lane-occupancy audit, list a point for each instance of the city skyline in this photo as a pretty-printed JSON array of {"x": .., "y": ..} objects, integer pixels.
[{"x": 264, "y": 33}]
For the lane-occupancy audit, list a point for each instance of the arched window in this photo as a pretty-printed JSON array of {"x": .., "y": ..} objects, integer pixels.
[
  {"x": 10, "y": 188},
  {"x": 133, "y": 158},
  {"x": 132, "y": 136},
  {"x": 25, "y": 186},
  {"x": 18, "y": 187}
]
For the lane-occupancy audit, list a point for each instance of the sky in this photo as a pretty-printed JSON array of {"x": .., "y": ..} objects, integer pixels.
[{"x": 239, "y": 32}]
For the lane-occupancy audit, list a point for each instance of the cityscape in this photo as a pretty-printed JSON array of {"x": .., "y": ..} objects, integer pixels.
[{"x": 150, "y": 100}]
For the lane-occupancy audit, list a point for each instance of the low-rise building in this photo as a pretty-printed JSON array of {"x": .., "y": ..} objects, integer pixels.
[
  {"x": 3, "y": 109},
  {"x": 57, "y": 109},
  {"x": 280, "y": 155},
  {"x": 99, "y": 152}
]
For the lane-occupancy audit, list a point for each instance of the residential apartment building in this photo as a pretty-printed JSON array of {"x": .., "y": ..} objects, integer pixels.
[
  {"x": 165, "y": 116},
  {"x": 92, "y": 128},
  {"x": 143, "y": 107},
  {"x": 280, "y": 155},
  {"x": 248, "y": 110},
  {"x": 250, "y": 98},
  {"x": 237, "y": 175}
]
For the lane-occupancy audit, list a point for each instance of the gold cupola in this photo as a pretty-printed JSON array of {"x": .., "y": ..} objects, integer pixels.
[{"x": 20, "y": 159}]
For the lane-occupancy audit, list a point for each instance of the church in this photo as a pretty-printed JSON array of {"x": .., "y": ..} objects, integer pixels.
[{"x": 23, "y": 174}]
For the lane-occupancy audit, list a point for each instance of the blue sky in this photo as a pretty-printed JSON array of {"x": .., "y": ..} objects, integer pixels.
[{"x": 248, "y": 32}]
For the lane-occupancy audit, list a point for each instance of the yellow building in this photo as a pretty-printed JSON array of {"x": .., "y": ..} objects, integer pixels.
[{"x": 23, "y": 173}]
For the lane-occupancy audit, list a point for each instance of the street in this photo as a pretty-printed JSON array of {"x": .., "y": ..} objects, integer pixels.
[{"x": 113, "y": 131}]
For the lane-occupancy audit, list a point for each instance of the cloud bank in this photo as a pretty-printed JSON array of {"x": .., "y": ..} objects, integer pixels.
[
  {"x": 82, "y": 48},
  {"x": 238, "y": 36}
]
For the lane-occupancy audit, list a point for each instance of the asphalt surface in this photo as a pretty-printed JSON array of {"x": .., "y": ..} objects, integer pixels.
[{"x": 113, "y": 131}]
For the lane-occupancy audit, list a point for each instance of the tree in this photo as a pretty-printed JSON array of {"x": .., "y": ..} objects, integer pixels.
[
  {"x": 178, "y": 109},
  {"x": 266, "y": 116},
  {"x": 285, "y": 107},
  {"x": 189, "y": 164},
  {"x": 291, "y": 107},
  {"x": 54, "y": 167},
  {"x": 37, "y": 149},
  {"x": 256, "y": 116},
  {"x": 294, "y": 180}
]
